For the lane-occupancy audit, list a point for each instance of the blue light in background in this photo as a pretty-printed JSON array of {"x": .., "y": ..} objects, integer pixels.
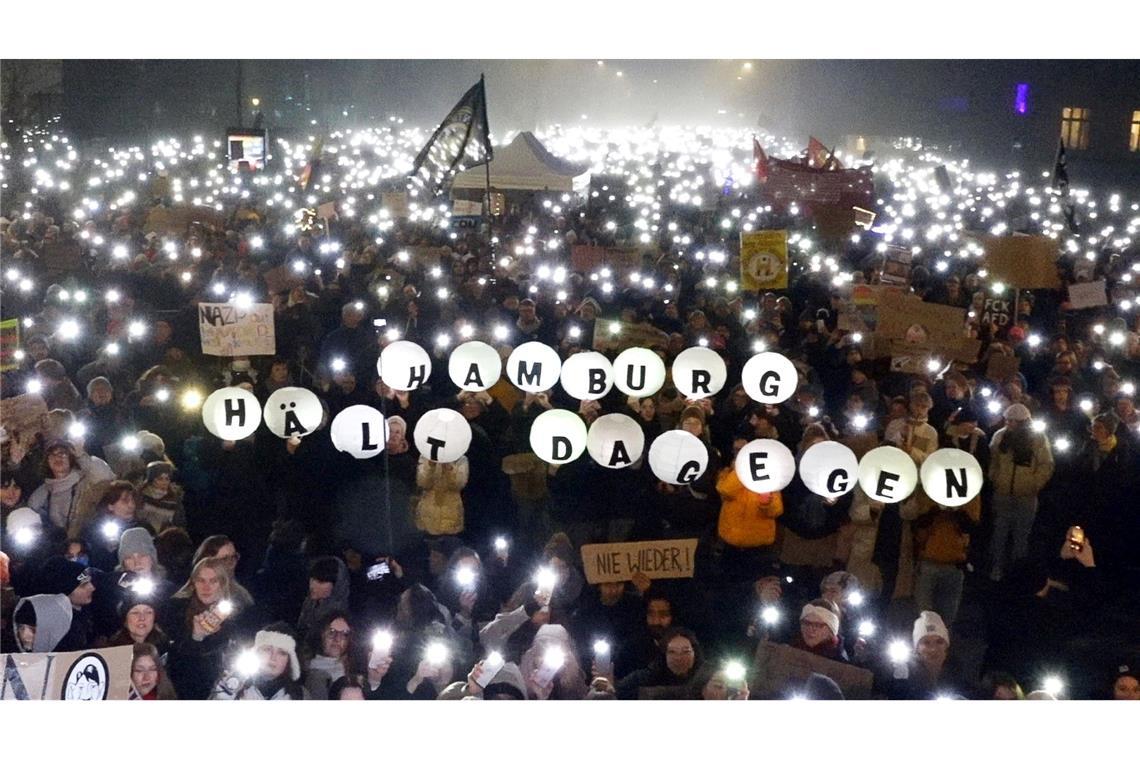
[{"x": 1021, "y": 99}]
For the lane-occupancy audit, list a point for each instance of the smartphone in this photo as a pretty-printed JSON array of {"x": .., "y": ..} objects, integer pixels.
[
  {"x": 1076, "y": 538},
  {"x": 378, "y": 571}
]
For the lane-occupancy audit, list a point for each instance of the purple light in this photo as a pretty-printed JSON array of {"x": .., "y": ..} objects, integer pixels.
[{"x": 1021, "y": 99}]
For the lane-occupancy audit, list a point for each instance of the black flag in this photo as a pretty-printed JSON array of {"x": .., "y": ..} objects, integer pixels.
[
  {"x": 460, "y": 142},
  {"x": 1061, "y": 185}
]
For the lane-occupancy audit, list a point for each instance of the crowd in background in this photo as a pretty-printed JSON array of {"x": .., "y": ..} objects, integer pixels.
[{"x": 125, "y": 522}]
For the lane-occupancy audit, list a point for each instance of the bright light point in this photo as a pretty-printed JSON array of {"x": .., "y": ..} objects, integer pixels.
[
  {"x": 136, "y": 329},
  {"x": 933, "y": 365},
  {"x": 500, "y": 332},
  {"x": 392, "y": 335},
  {"x": 1061, "y": 444},
  {"x": 34, "y": 386},
  {"x": 856, "y": 337},
  {"x": 436, "y": 653},
  {"x": 69, "y": 329},
  {"x": 219, "y": 288},
  {"x": 130, "y": 443},
  {"x": 994, "y": 407},
  {"x": 248, "y": 663},
  {"x": 162, "y": 394},
  {"x": 443, "y": 340},
  {"x": 855, "y": 599},
  {"x": 601, "y": 648},
  {"x": 770, "y": 615},
  {"x": 338, "y": 364},
  {"x": 191, "y": 399},
  {"x": 1052, "y": 685},
  {"x": 734, "y": 671},
  {"x": 256, "y": 242},
  {"x": 112, "y": 296},
  {"x": 554, "y": 658},
  {"x": 614, "y": 328},
  {"x": 24, "y": 536},
  {"x": 1086, "y": 405},
  {"x": 76, "y": 430},
  {"x": 110, "y": 530},
  {"x": 898, "y": 652},
  {"x": 243, "y": 300},
  {"x": 382, "y": 641},
  {"x": 866, "y": 628},
  {"x": 545, "y": 578},
  {"x": 500, "y": 544},
  {"x": 860, "y": 421},
  {"x": 1127, "y": 388}
]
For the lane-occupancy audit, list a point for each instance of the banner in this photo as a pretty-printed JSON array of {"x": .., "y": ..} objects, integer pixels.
[
  {"x": 9, "y": 342},
  {"x": 1087, "y": 295},
  {"x": 779, "y": 667},
  {"x": 612, "y": 335},
  {"x": 93, "y": 675},
  {"x": 229, "y": 330},
  {"x": 764, "y": 260},
  {"x": 605, "y": 563},
  {"x": 793, "y": 182},
  {"x": 1022, "y": 261}
]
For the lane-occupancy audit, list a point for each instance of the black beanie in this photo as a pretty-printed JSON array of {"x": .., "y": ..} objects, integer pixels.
[{"x": 324, "y": 569}]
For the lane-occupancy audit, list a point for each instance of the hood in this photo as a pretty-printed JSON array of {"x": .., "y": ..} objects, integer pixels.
[
  {"x": 53, "y": 619},
  {"x": 510, "y": 676}
]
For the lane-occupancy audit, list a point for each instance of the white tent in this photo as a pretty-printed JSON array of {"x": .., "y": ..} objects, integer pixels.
[{"x": 523, "y": 165}]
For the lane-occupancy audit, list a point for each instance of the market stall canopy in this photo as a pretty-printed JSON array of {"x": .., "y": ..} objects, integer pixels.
[{"x": 525, "y": 165}]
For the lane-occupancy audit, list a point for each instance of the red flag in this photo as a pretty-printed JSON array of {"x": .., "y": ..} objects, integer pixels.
[
  {"x": 817, "y": 153},
  {"x": 761, "y": 160}
]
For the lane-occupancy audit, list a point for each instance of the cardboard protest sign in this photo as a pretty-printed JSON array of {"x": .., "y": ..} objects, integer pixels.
[
  {"x": 64, "y": 256},
  {"x": 396, "y": 202},
  {"x": 327, "y": 211},
  {"x": 997, "y": 311},
  {"x": 282, "y": 278},
  {"x": 93, "y": 675},
  {"x": 778, "y": 667},
  {"x": 1086, "y": 295},
  {"x": 764, "y": 260},
  {"x": 163, "y": 220},
  {"x": 864, "y": 218},
  {"x": 590, "y": 258},
  {"x": 466, "y": 208},
  {"x": 1001, "y": 367},
  {"x": 9, "y": 342},
  {"x": 1023, "y": 261},
  {"x": 627, "y": 335},
  {"x": 23, "y": 414},
  {"x": 896, "y": 266},
  {"x": 229, "y": 330},
  {"x": 911, "y": 327},
  {"x": 604, "y": 563}
]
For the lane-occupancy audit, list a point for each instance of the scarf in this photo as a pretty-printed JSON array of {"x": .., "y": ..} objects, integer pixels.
[{"x": 61, "y": 497}]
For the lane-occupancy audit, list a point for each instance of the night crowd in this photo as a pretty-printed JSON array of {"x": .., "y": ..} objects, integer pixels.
[{"x": 269, "y": 568}]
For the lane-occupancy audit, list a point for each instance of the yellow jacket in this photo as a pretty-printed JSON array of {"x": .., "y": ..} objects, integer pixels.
[
  {"x": 439, "y": 510},
  {"x": 747, "y": 519}
]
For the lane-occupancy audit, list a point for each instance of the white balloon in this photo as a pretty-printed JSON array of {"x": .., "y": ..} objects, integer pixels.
[
  {"x": 231, "y": 413},
  {"x": 639, "y": 372},
  {"x": 533, "y": 367},
  {"x": 678, "y": 457},
  {"x": 558, "y": 436},
  {"x": 293, "y": 411},
  {"x": 829, "y": 469},
  {"x": 359, "y": 430},
  {"x": 403, "y": 365},
  {"x": 474, "y": 366},
  {"x": 951, "y": 477},
  {"x": 442, "y": 435},
  {"x": 769, "y": 378},
  {"x": 615, "y": 441},
  {"x": 699, "y": 372},
  {"x": 587, "y": 375},
  {"x": 765, "y": 465},
  {"x": 887, "y": 474}
]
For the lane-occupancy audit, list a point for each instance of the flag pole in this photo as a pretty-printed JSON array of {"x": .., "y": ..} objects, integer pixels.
[{"x": 487, "y": 175}]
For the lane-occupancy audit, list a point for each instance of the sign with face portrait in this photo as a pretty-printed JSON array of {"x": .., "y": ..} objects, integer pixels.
[{"x": 93, "y": 675}]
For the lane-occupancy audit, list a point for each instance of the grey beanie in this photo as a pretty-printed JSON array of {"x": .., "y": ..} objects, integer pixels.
[{"x": 136, "y": 541}]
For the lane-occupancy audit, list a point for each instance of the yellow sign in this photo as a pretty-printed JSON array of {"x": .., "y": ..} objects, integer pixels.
[{"x": 764, "y": 260}]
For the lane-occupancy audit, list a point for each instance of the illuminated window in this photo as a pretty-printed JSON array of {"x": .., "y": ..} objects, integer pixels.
[
  {"x": 1075, "y": 128},
  {"x": 1134, "y": 133}
]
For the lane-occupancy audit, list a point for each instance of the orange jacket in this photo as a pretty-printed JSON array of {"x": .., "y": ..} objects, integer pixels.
[{"x": 747, "y": 519}]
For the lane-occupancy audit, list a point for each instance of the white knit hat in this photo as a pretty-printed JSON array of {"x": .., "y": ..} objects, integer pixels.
[
  {"x": 929, "y": 624},
  {"x": 1017, "y": 412},
  {"x": 285, "y": 643},
  {"x": 818, "y": 614},
  {"x": 23, "y": 518}
]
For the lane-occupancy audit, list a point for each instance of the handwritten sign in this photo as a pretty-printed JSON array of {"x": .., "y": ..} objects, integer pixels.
[
  {"x": 396, "y": 202},
  {"x": 1023, "y": 261},
  {"x": 93, "y": 675},
  {"x": 1087, "y": 295},
  {"x": 230, "y": 330},
  {"x": 606, "y": 563},
  {"x": 778, "y": 667}
]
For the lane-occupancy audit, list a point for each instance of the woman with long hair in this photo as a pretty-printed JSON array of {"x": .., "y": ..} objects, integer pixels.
[
  {"x": 330, "y": 653},
  {"x": 148, "y": 677},
  {"x": 204, "y": 619}
]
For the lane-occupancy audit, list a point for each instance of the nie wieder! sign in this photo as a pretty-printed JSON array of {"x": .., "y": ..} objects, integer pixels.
[{"x": 606, "y": 563}]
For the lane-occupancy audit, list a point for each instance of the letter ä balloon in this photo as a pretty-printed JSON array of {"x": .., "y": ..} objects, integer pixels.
[
  {"x": 558, "y": 436},
  {"x": 359, "y": 430},
  {"x": 765, "y": 465},
  {"x": 231, "y": 413},
  {"x": 442, "y": 435},
  {"x": 887, "y": 474},
  {"x": 404, "y": 365},
  {"x": 829, "y": 469},
  {"x": 769, "y": 378},
  {"x": 951, "y": 477},
  {"x": 533, "y": 367},
  {"x": 615, "y": 441},
  {"x": 699, "y": 372},
  {"x": 587, "y": 375},
  {"x": 678, "y": 457},
  {"x": 639, "y": 372},
  {"x": 474, "y": 366},
  {"x": 293, "y": 412}
]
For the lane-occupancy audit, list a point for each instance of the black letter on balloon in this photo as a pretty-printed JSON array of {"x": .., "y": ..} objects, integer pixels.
[
  {"x": 597, "y": 381},
  {"x": 701, "y": 380},
  {"x": 884, "y": 488},
  {"x": 235, "y": 407},
  {"x": 765, "y": 388},
  {"x": 436, "y": 445},
  {"x": 473, "y": 376},
  {"x": 689, "y": 473},
  {"x": 756, "y": 465},
  {"x": 836, "y": 481},
  {"x": 531, "y": 375},
  {"x": 953, "y": 484},
  {"x": 416, "y": 376},
  {"x": 365, "y": 432},
  {"x": 560, "y": 447},
  {"x": 619, "y": 455}
]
